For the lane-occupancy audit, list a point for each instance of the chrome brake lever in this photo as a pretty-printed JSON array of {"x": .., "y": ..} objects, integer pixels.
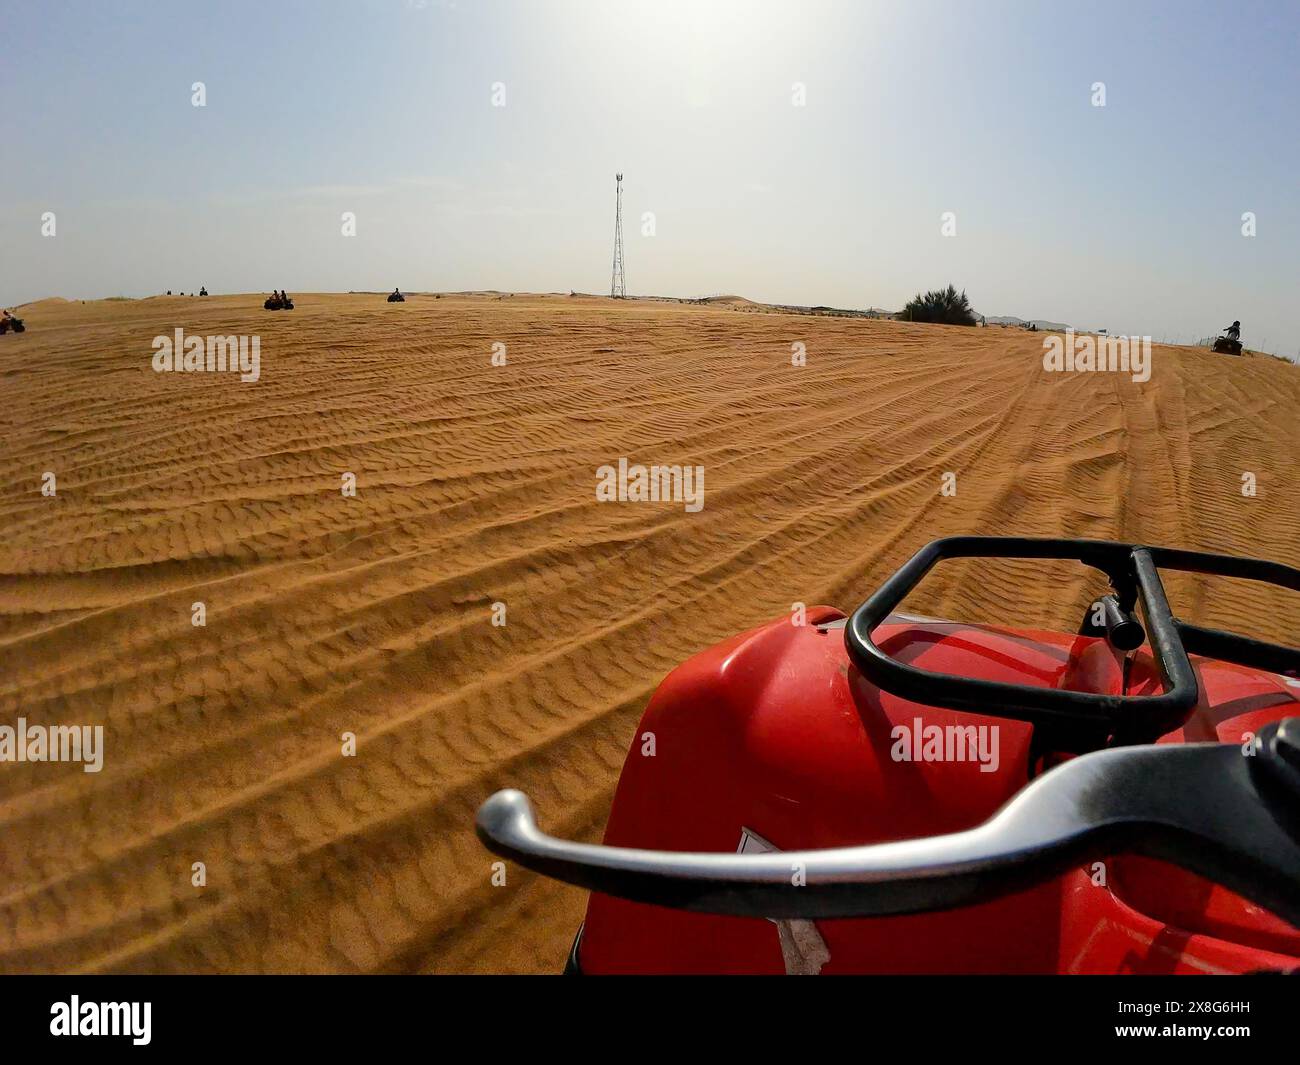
[{"x": 1209, "y": 808}]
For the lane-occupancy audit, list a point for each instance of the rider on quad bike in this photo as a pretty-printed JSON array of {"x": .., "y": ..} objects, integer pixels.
[{"x": 1230, "y": 342}]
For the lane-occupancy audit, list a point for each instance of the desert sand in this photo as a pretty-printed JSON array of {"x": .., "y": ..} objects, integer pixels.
[{"x": 475, "y": 485}]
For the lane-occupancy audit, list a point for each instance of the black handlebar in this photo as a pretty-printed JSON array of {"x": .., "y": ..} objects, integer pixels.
[{"x": 1123, "y": 631}]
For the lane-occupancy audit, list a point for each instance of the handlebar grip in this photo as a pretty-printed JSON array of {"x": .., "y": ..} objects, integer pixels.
[{"x": 1123, "y": 630}]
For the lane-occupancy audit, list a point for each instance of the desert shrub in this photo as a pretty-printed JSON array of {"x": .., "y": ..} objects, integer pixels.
[{"x": 946, "y": 305}]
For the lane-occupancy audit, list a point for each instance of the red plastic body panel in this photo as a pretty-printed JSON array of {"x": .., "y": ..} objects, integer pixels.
[{"x": 776, "y": 732}]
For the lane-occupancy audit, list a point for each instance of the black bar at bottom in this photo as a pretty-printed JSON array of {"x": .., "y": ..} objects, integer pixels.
[{"x": 353, "y": 1015}]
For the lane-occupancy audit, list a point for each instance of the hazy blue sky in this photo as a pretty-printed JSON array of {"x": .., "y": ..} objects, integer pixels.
[{"x": 1124, "y": 217}]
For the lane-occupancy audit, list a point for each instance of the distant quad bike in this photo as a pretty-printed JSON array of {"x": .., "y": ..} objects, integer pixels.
[
  {"x": 16, "y": 324},
  {"x": 396, "y": 297},
  {"x": 886, "y": 793},
  {"x": 274, "y": 303},
  {"x": 1225, "y": 345}
]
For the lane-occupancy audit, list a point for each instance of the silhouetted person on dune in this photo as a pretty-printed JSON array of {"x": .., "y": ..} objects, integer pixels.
[{"x": 1234, "y": 331}]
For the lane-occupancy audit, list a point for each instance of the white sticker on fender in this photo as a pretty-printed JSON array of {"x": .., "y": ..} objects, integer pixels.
[{"x": 802, "y": 947}]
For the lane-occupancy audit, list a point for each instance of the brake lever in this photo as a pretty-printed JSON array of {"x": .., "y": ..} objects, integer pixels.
[{"x": 1213, "y": 809}]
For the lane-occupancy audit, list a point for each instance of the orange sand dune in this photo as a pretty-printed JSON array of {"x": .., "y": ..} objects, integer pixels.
[{"x": 475, "y": 485}]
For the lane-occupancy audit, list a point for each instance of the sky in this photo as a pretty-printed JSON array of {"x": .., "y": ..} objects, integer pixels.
[{"x": 791, "y": 152}]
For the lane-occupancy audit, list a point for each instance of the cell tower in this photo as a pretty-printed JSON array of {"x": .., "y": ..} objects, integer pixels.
[{"x": 617, "y": 282}]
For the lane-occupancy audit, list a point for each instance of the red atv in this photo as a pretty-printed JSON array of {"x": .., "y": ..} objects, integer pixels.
[{"x": 886, "y": 793}]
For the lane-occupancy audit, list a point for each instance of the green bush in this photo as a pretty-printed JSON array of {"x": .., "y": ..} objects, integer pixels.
[{"x": 947, "y": 306}]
